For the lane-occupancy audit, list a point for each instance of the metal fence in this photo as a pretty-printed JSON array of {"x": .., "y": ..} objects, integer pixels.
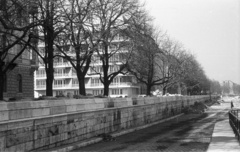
[{"x": 234, "y": 121}]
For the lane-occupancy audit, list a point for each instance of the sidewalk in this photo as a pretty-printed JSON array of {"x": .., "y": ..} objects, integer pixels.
[{"x": 223, "y": 138}]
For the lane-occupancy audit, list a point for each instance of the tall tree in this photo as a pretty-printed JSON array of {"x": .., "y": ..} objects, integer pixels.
[
  {"x": 170, "y": 64},
  {"x": 146, "y": 54},
  {"x": 53, "y": 25},
  {"x": 80, "y": 37},
  {"x": 110, "y": 19},
  {"x": 195, "y": 79},
  {"x": 15, "y": 34},
  {"x": 215, "y": 87}
]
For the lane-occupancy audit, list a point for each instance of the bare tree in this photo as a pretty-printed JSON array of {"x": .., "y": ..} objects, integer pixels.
[
  {"x": 145, "y": 61},
  {"x": 80, "y": 37},
  {"x": 171, "y": 64},
  {"x": 15, "y": 35},
  {"x": 194, "y": 79},
  {"x": 215, "y": 87},
  {"x": 53, "y": 25},
  {"x": 110, "y": 19}
]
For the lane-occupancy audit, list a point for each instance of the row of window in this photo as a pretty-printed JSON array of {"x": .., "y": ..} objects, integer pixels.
[
  {"x": 94, "y": 92},
  {"x": 113, "y": 92},
  {"x": 57, "y": 72},
  {"x": 94, "y": 81}
]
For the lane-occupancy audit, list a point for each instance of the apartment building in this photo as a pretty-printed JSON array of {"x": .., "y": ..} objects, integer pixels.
[{"x": 66, "y": 82}]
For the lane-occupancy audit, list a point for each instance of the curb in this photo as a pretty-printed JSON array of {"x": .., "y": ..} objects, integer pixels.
[{"x": 98, "y": 139}]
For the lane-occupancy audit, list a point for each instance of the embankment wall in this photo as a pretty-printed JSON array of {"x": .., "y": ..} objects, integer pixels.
[{"x": 44, "y": 124}]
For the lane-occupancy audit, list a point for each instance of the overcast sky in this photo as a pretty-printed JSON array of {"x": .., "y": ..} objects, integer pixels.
[{"x": 209, "y": 28}]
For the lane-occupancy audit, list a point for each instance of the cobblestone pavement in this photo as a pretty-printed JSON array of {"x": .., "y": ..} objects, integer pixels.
[{"x": 188, "y": 133}]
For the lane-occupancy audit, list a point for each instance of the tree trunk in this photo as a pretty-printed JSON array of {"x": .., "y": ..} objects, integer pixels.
[
  {"x": 106, "y": 89},
  {"x": 50, "y": 70},
  {"x": 49, "y": 42},
  {"x": 1, "y": 86},
  {"x": 81, "y": 81},
  {"x": 82, "y": 89},
  {"x": 49, "y": 82},
  {"x": 149, "y": 90},
  {"x": 164, "y": 90}
]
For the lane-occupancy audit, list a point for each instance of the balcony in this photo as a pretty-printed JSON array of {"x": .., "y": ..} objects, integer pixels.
[
  {"x": 40, "y": 86},
  {"x": 40, "y": 75},
  {"x": 76, "y": 85},
  {"x": 121, "y": 84},
  {"x": 64, "y": 64},
  {"x": 69, "y": 86},
  {"x": 61, "y": 75},
  {"x": 112, "y": 84},
  {"x": 63, "y": 86}
]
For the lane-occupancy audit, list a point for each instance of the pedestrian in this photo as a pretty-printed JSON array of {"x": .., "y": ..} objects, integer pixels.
[{"x": 232, "y": 105}]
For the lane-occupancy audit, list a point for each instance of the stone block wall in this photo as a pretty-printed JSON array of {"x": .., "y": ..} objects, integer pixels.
[
  {"x": 40, "y": 125},
  {"x": 27, "y": 83}
]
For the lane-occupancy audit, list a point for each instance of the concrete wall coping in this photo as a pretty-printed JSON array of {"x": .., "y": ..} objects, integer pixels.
[{"x": 13, "y": 111}]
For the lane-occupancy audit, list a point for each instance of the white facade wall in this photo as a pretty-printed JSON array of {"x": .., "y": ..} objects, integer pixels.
[{"x": 65, "y": 80}]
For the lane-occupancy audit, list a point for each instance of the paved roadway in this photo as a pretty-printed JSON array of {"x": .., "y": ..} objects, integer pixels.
[{"x": 188, "y": 133}]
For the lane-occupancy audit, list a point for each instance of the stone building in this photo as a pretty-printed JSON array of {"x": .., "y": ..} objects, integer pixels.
[
  {"x": 19, "y": 82},
  {"x": 19, "y": 79}
]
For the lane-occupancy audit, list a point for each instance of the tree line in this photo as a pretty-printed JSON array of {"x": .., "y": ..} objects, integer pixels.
[{"x": 85, "y": 31}]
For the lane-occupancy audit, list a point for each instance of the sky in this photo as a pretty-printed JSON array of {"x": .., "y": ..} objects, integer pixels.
[{"x": 210, "y": 29}]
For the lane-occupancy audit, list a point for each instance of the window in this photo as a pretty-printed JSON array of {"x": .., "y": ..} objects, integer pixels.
[
  {"x": 58, "y": 61},
  {"x": 74, "y": 72},
  {"x": 41, "y": 73},
  {"x": 4, "y": 83},
  {"x": 60, "y": 72},
  {"x": 58, "y": 83},
  {"x": 95, "y": 82},
  {"x": 19, "y": 78},
  {"x": 59, "y": 93},
  {"x": 97, "y": 92},
  {"x": 116, "y": 91},
  {"x": 41, "y": 83},
  {"x": 75, "y": 82}
]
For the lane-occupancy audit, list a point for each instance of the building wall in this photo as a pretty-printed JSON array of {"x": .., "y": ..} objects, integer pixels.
[
  {"x": 13, "y": 85},
  {"x": 65, "y": 72}
]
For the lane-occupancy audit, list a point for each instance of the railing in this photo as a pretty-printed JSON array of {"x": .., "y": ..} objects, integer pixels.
[
  {"x": 234, "y": 121},
  {"x": 61, "y": 74}
]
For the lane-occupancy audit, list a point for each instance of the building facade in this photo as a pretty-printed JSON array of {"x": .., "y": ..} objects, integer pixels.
[
  {"x": 66, "y": 82},
  {"x": 19, "y": 82},
  {"x": 19, "y": 78}
]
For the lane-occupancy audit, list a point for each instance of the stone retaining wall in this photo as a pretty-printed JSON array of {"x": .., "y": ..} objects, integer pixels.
[{"x": 40, "y": 125}]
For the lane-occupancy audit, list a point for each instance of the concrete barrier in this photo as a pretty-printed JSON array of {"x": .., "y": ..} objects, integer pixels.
[{"x": 40, "y": 125}]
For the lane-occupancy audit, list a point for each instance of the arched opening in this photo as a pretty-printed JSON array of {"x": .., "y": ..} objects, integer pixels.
[
  {"x": 19, "y": 83},
  {"x": 4, "y": 83}
]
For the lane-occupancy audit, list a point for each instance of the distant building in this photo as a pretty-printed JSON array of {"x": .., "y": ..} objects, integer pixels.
[{"x": 230, "y": 88}]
